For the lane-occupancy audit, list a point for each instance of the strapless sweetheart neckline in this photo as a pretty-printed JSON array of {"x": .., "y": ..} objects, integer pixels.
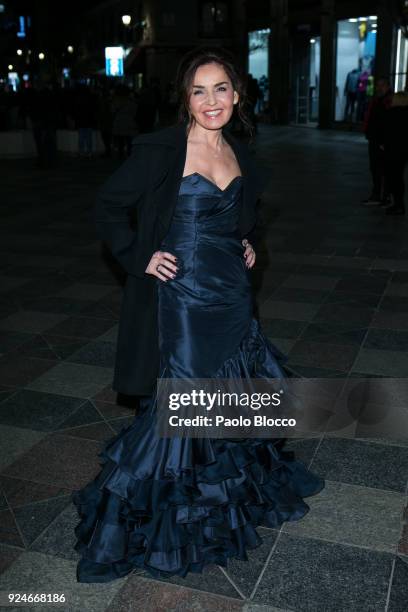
[{"x": 212, "y": 182}]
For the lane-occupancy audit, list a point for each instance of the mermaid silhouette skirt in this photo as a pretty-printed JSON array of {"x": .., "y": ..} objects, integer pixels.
[{"x": 174, "y": 505}]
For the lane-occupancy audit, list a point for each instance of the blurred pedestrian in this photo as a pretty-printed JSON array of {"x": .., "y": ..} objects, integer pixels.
[
  {"x": 253, "y": 95},
  {"x": 396, "y": 151},
  {"x": 124, "y": 120},
  {"x": 374, "y": 128},
  {"x": 43, "y": 110},
  {"x": 105, "y": 120},
  {"x": 85, "y": 107}
]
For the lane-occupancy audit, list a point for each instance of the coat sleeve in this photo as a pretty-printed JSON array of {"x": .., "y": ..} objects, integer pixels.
[
  {"x": 261, "y": 179},
  {"x": 117, "y": 202}
]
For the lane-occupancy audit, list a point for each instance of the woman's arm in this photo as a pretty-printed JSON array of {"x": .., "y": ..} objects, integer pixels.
[{"x": 118, "y": 197}]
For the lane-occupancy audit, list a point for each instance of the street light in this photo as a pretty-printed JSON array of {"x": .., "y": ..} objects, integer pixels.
[
  {"x": 70, "y": 49},
  {"x": 126, "y": 20},
  {"x": 19, "y": 52},
  {"x": 41, "y": 56},
  {"x": 10, "y": 66}
]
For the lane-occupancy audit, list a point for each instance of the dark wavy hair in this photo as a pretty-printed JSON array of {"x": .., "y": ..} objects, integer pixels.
[{"x": 185, "y": 76}]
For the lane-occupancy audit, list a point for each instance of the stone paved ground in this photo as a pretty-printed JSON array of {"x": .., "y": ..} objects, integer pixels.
[{"x": 334, "y": 297}]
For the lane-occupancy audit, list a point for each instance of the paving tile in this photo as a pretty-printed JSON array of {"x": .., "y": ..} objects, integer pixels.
[
  {"x": 155, "y": 596},
  {"x": 8, "y": 282},
  {"x": 96, "y": 353},
  {"x": 275, "y": 309},
  {"x": 86, "y": 414},
  {"x": 22, "y": 492},
  {"x": 303, "y": 448},
  {"x": 112, "y": 411},
  {"x": 390, "y": 320},
  {"x": 111, "y": 335},
  {"x": 368, "y": 464},
  {"x": 72, "y": 379},
  {"x": 121, "y": 423},
  {"x": 323, "y": 355},
  {"x": 98, "y": 431},
  {"x": 11, "y": 339},
  {"x": 398, "y": 594},
  {"x": 33, "y": 519},
  {"x": 353, "y": 299},
  {"x": 59, "y": 537},
  {"x": 245, "y": 574},
  {"x": 282, "y": 328},
  {"x": 37, "y": 410},
  {"x": 394, "y": 303},
  {"x": 316, "y": 575},
  {"x": 334, "y": 334},
  {"x": 8, "y": 555},
  {"x": 83, "y": 327},
  {"x": 297, "y": 294},
  {"x": 38, "y": 573},
  {"x": 31, "y": 322},
  {"x": 305, "y": 281},
  {"x": 15, "y": 441},
  {"x": 86, "y": 291},
  {"x": 382, "y": 362},
  {"x": 387, "y": 339},
  {"x": 353, "y": 515},
  {"x": 9, "y": 532},
  {"x": 56, "y": 304},
  {"x": 363, "y": 283},
  {"x": 344, "y": 315},
  {"x": 397, "y": 289},
  {"x": 59, "y": 461},
  {"x": 18, "y": 370}
]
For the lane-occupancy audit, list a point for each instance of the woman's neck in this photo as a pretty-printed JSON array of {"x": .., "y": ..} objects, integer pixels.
[{"x": 213, "y": 139}]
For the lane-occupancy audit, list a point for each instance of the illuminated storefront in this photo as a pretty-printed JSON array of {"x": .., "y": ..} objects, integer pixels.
[{"x": 356, "y": 47}]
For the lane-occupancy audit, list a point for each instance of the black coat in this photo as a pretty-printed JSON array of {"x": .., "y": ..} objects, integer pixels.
[{"x": 133, "y": 215}]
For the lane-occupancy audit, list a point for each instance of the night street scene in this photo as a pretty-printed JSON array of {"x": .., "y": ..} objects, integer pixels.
[{"x": 203, "y": 191}]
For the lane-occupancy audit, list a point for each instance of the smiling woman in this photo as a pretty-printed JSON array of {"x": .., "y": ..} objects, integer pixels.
[{"x": 173, "y": 505}]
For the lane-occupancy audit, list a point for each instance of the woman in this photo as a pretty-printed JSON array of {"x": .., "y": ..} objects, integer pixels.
[
  {"x": 396, "y": 155},
  {"x": 172, "y": 506}
]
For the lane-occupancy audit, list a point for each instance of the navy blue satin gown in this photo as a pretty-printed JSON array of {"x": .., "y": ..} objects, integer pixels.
[{"x": 172, "y": 506}]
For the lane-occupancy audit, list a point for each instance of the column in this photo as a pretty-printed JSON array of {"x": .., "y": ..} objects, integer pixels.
[
  {"x": 279, "y": 62},
  {"x": 327, "y": 64},
  {"x": 384, "y": 56}
]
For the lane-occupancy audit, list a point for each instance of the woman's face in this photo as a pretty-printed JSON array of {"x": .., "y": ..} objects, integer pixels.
[{"x": 212, "y": 97}]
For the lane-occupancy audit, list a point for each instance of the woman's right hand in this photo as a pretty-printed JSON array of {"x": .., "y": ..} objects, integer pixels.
[{"x": 162, "y": 265}]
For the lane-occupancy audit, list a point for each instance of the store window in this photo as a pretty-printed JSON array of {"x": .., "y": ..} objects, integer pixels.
[
  {"x": 314, "y": 79},
  {"x": 356, "y": 43},
  {"x": 258, "y": 64},
  {"x": 401, "y": 63}
]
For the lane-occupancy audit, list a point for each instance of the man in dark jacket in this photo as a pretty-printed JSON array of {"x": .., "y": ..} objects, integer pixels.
[{"x": 374, "y": 129}]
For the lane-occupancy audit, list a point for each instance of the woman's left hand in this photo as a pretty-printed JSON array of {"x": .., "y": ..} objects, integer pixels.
[{"x": 249, "y": 253}]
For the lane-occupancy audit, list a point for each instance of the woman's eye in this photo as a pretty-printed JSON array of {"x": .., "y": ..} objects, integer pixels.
[
  {"x": 197, "y": 92},
  {"x": 222, "y": 89}
]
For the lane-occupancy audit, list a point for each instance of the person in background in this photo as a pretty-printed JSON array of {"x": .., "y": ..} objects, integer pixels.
[
  {"x": 124, "y": 120},
  {"x": 85, "y": 119},
  {"x": 374, "y": 129},
  {"x": 105, "y": 120},
  {"x": 43, "y": 109},
  {"x": 253, "y": 93},
  {"x": 396, "y": 151}
]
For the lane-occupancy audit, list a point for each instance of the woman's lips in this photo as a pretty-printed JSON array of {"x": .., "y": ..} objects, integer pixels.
[{"x": 213, "y": 114}]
